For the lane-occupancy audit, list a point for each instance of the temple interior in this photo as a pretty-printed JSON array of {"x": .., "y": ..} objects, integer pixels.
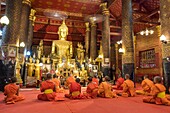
[{"x": 84, "y": 38}]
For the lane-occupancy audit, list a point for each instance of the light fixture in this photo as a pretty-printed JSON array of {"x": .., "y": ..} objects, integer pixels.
[
  {"x": 22, "y": 44},
  {"x": 163, "y": 39},
  {"x": 119, "y": 42},
  {"x": 4, "y": 20},
  {"x": 121, "y": 50},
  {"x": 28, "y": 53},
  {"x": 146, "y": 32}
]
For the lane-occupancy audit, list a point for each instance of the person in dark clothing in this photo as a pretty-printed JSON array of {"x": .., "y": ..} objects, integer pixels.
[{"x": 3, "y": 76}]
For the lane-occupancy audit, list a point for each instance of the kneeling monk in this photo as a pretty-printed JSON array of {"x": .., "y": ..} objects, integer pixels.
[
  {"x": 11, "y": 91},
  {"x": 128, "y": 87},
  {"x": 92, "y": 88},
  {"x": 75, "y": 90},
  {"x": 158, "y": 93},
  {"x": 48, "y": 88},
  {"x": 105, "y": 89}
]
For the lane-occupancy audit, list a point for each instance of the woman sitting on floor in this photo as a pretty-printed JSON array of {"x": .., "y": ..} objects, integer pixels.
[{"x": 11, "y": 91}]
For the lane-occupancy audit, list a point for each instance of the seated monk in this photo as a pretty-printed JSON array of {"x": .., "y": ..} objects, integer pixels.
[
  {"x": 69, "y": 80},
  {"x": 92, "y": 88},
  {"x": 146, "y": 86},
  {"x": 11, "y": 91},
  {"x": 119, "y": 83},
  {"x": 95, "y": 79},
  {"x": 128, "y": 87},
  {"x": 105, "y": 89},
  {"x": 75, "y": 90},
  {"x": 48, "y": 88},
  {"x": 158, "y": 93},
  {"x": 57, "y": 83}
]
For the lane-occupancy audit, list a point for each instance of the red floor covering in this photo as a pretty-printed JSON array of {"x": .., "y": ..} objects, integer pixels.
[{"x": 98, "y": 105}]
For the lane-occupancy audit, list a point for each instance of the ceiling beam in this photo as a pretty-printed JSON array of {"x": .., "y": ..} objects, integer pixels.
[
  {"x": 147, "y": 22},
  {"x": 147, "y": 16}
]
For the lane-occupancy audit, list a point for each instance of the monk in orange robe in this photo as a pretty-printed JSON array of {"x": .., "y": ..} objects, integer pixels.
[
  {"x": 75, "y": 90},
  {"x": 11, "y": 91},
  {"x": 146, "y": 86},
  {"x": 158, "y": 93},
  {"x": 128, "y": 87},
  {"x": 92, "y": 88},
  {"x": 119, "y": 83},
  {"x": 69, "y": 80},
  {"x": 95, "y": 79},
  {"x": 48, "y": 88},
  {"x": 105, "y": 89}
]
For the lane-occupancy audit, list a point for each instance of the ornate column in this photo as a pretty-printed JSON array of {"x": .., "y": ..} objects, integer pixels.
[
  {"x": 11, "y": 34},
  {"x": 127, "y": 39},
  {"x": 106, "y": 39},
  {"x": 117, "y": 59},
  {"x": 93, "y": 41},
  {"x": 164, "y": 17},
  {"x": 26, "y": 7},
  {"x": 87, "y": 37},
  {"x": 32, "y": 18},
  {"x": 13, "y": 12}
]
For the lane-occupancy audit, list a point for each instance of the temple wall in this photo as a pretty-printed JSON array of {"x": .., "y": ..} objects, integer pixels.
[{"x": 145, "y": 43}]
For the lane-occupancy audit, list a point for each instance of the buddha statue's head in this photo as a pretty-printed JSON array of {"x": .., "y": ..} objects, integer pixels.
[
  {"x": 63, "y": 31},
  {"x": 37, "y": 61}
]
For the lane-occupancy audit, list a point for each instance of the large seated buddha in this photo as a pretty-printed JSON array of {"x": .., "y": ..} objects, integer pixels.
[{"x": 62, "y": 48}]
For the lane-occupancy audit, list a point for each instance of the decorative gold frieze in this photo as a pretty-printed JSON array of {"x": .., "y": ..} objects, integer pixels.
[
  {"x": 28, "y": 2},
  {"x": 105, "y": 10},
  {"x": 87, "y": 26}
]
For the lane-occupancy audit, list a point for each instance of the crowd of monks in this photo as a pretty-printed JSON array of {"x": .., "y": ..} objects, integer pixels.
[{"x": 154, "y": 91}]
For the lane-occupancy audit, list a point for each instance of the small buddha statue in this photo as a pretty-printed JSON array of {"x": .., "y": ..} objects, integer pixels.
[
  {"x": 48, "y": 60},
  {"x": 30, "y": 67},
  {"x": 37, "y": 69},
  {"x": 83, "y": 73},
  {"x": 43, "y": 59}
]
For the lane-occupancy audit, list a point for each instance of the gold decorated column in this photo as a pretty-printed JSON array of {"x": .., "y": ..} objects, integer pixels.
[
  {"x": 165, "y": 23},
  {"x": 32, "y": 18},
  {"x": 93, "y": 41},
  {"x": 87, "y": 37},
  {"x": 106, "y": 39},
  {"x": 127, "y": 39},
  {"x": 26, "y": 7}
]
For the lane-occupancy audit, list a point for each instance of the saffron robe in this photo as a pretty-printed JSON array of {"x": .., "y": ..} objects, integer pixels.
[
  {"x": 158, "y": 95},
  {"x": 105, "y": 90},
  {"x": 11, "y": 91},
  {"x": 95, "y": 80},
  {"x": 69, "y": 80},
  {"x": 92, "y": 90},
  {"x": 119, "y": 83},
  {"x": 128, "y": 88},
  {"x": 48, "y": 89},
  {"x": 75, "y": 91}
]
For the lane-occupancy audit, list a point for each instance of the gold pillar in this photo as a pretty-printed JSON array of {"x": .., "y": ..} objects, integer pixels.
[
  {"x": 87, "y": 37},
  {"x": 106, "y": 39},
  {"x": 93, "y": 41},
  {"x": 117, "y": 59},
  {"x": 164, "y": 17}
]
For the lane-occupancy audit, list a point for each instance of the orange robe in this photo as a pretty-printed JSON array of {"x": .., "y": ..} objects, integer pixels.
[
  {"x": 75, "y": 91},
  {"x": 95, "y": 80},
  {"x": 158, "y": 95},
  {"x": 69, "y": 80},
  {"x": 105, "y": 90},
  {"x": 128, "y": 88},
  {"x": 119, "y": 83},
  {"x": 11, "y": 93},
  {"x": 92, "y": 90},
  {"x": 147, "y": 85},
  {"x": 48, "y": 87}
]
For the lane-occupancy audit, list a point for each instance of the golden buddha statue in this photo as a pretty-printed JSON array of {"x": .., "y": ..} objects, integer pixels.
[
  {"x": 43, "y": 59},
  {"x": 62, "y": 48},
  {"x": 37, "y": 69},
  {"x": 83, "y": 74},
  {"x": 18, "y": 74},
  {"x": 80, "y": 53},
  {"x": 30, "y": 67}
]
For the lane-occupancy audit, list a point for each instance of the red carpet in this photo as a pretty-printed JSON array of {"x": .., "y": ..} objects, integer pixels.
[{"x": 99, "y": 105}]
